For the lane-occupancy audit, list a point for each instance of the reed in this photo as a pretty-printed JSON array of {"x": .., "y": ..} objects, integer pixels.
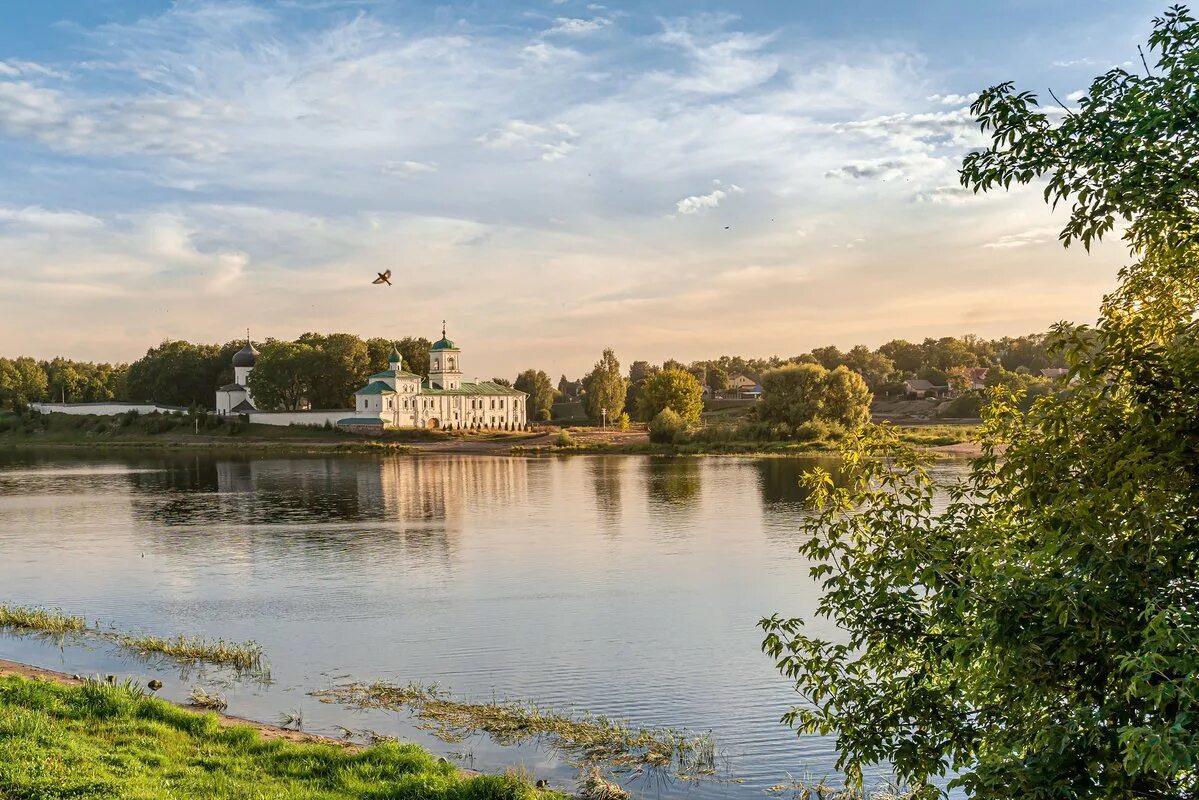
[
  {"x": 40, "y": 619},
  {"x": 586, "y": 739}
]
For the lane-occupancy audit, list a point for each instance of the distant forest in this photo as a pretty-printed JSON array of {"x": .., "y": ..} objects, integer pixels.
[{"x": 330, "y": 367}]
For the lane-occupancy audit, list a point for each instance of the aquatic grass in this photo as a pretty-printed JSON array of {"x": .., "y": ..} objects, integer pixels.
[
  {"x": 101, "y": 741},
  {"x": 244, "y": 657},
  {"x": 202, "y": 698},
  {"x": 587, "y": 740},
  {"x": 40, "y": 619}
]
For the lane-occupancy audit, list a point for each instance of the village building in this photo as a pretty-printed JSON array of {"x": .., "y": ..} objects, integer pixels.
[
  {"x": 396, "y": 398},
  {"x": 235, "y": 398}
]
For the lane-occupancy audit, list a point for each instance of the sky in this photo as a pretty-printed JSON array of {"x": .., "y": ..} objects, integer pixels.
[{"x": 551, "y": 177}]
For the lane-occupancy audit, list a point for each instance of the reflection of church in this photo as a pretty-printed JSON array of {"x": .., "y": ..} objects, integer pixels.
[{"x": 399, "y": 399}]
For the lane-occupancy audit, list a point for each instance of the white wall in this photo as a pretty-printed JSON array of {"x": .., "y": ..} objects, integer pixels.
[
  {"x": 317, "y": 418},
  {"x": 104, "y": 409}
]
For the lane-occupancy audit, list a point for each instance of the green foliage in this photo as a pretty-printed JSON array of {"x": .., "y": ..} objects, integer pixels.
[
  {"x": 283, "y": 376},
  {"x": 964, "y": 406},
  {"x": 1033, "y": 630},
  {"x": 100, "y": 741},
  {"x": 605, "y": 388},
  {"x": 339, "y": 364},
  {"x": 674, "y": 389},
  {"x": 540, "y": 402},
  {"x": 623, "y": 423},
  {"x": 792, "y": 394},
  {"x": 22, "y": 382},
  {"x": 177, "y": 373},
  {"x": 718, "y": 379},
  {"x": 665, "y": 427},
  {"x": 846, "y": 399}
]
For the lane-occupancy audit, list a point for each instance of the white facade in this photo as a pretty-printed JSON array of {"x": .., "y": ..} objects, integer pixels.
[
  {"x": 235, "y": 398},
  {"x": 399, "y": 399}
]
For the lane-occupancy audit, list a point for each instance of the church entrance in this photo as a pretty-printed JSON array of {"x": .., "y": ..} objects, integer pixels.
[{"x": 434, "y": 423}]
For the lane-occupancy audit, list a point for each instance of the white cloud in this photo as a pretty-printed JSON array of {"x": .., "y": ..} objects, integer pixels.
[
  {"x": 702, "y": 202},
  {"x": 721, "y": 62},
  {"x": 552, "y": 140},
  {"x": 575, "y": 26},
  {"x": 35, "y": 217},
  {"x": 953, "y": 99},
  {"x": 1038, "y": 235},
  {"x": 409, "y": 168}
]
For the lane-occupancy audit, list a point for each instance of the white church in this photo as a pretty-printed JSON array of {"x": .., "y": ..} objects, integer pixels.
[{"x": 396, "y": 398}]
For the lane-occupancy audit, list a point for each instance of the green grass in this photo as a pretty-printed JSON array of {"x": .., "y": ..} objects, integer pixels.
[
  {"x": 99, "y": 741},
  {"x": 937, "y": 435},
  {"x": 40, "y": 619}
]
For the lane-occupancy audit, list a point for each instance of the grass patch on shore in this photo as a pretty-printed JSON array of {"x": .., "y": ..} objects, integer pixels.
[
  {"x": 586, "y": 740},
  {"x": 100, "y": 741},
  {"x": 244, "y": 657}
]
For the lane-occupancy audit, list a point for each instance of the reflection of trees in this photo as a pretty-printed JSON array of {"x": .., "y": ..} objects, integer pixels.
[
  {"x": 673, "y": 482},
  {"x": 379, "y": 508},
  {"x": 605, "y": 472},
  {"x": 779, "y": 478}
]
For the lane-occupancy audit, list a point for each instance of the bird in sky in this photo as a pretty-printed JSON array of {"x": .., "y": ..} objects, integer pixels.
[{"x": 384, "y": 277}]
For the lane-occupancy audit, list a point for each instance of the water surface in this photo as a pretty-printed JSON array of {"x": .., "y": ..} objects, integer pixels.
[{"x": 625, "y": 586}]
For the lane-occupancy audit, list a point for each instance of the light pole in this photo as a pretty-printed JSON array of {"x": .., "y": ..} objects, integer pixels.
[{"x": 604, "y": 414}]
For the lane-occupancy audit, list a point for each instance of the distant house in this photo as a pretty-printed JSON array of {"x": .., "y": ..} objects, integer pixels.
[
  {"x": 752, "y": 393},
  {"x": 919, "y": 388},
  {"x": 1053, "y": 373},
  {"x": 741, "y": 383},
  {"x": 978, "y": 377}
]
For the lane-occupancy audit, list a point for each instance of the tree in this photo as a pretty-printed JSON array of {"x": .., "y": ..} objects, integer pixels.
[
  {"x": 792, "y": 394},
  {"x": 282, "y": 377},
  {"x": 846, "y": 399},
  {"x": 639, "y": 372},
  {"x": 828, "y": 357},
  {"x": 718, "y": 379},
  {"x": 666, "y": 425},
  {"x": 540, "y": 403},
  {"x": 1036, "y": 632},
  {"x": 502, "y": 382},
  {"x": 674, "y": 389},
  {"x": 605, "y": 388},
  {"x": 907, "y": 357},
  {"x": 875, "y": 368},
  {"x": 177, "y": 373},
  {"x": 339, "y": 364},
  {"x": 22, "y": 381}
]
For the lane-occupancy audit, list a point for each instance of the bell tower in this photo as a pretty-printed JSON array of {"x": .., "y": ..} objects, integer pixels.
[{"x": 445, "y": 367}]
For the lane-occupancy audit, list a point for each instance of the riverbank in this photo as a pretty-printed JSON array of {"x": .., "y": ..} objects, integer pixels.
[
  {"x": 67, "y": 737},
  {"x": 60, "y": 431}
]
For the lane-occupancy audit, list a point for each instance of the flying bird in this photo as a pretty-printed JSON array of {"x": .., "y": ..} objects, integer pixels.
[{"x": 384, "y": 277}]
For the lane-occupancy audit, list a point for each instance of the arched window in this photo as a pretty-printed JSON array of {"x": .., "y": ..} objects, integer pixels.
[{"x": 436, "y": 362}]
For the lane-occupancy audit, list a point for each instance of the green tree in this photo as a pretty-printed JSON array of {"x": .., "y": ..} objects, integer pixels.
[
  {"x": 605, "y": 388},
  {"x": 177, "y": 373},
  {"x": 846, "y": 399},
  {"x": 875, "y": 368},
  {"x": 340, "y": 364},
  {"x": 792, "y": 394},
  {"x": 639, "y": 373},
  {"x": 1036, "y": 634},
  {"x": 674, "y": 389},
  {"x": 666, "y": 425},
  {"x": 540, "y": 403},
  {"x": 22, "y": 381},
  {"x": 282, "y": 377},
  {"x": 828, "y": 357},
  {"x": 907, "y": 357},
  {"x": 718, "y": 379}
]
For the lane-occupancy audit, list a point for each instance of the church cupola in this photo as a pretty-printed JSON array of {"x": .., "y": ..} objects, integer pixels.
[
  {"x": 244, "y": 361},
  {"x": 445, "y": 368},
  {"x": 395, "y": 361}
]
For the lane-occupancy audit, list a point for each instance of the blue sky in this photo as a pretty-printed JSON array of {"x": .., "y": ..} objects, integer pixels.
[{"x": 669, "y": 179}]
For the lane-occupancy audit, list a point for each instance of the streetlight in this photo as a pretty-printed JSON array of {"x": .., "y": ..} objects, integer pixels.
[{"x": 604, "y": 414}]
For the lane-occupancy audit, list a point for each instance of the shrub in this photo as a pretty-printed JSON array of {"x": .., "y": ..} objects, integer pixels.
[
  {"x": 968, "y": 405},
  {"x": 813, "y": 431},
  {"x": 564, "y": 439},
  {"x": 664, "y": 427},
  {"x": 623, "y": 422}
]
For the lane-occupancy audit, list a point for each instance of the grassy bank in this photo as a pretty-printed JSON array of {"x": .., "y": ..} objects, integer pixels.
[
  {"x": 178, "y": 431},
  {"x": 100, "y": 741}
]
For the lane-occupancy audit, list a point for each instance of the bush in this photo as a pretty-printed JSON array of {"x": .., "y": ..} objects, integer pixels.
[
  {"x": 665, "y": 427},
  {"x": 623, "y": 423},
  {"x": 968, "y": 405},
  {"x": 814, "y": 431},
  {"x": 564, "y": 439}
]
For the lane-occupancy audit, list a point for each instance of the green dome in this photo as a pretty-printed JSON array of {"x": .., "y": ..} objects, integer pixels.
[
  {"x": 444, "y": 344},
  {"x": 395, "y": 357}
]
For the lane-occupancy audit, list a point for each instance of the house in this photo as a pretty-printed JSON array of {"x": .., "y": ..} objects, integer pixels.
[
  {"x": 396, "y": 398},
  {"x": 1054, "y": 373},
  {"x": 917, "y": 388},
  {"x": 752, "y": 393},
  {"x": 741, "y": 383},
  {"x": 978, "y": 377}
]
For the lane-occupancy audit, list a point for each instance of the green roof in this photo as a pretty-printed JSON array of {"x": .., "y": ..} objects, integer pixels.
[
  {"x": 395, "y": 357},
  {"x": 376, "y": 387},
  {"x": 391, "y": 373},
  {"x": 360, "y": 421},
  {"x": 472, "y": 388},
  {"x": 444, "y": 344}
]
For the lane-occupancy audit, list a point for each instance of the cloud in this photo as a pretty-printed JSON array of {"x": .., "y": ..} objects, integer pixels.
[
  {"x": 1085, "y": 61},
  {"x": 1038, "y": 235},
  {"x": 869, "y": 170},
  {"x": 36, "y": 217},
  {"x": 409, "y": 168},
  {"x": 720, "y": 62},
  {"x": 575, "y": 26},
  {"x": 953, "y": 99},
  {"x": 552, "y": 141},
  {"x": 946, "y": 195},
  {"x": 702, "y": 202}
]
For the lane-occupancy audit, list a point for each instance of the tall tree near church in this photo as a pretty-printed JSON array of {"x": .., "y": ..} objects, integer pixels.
[
  {"x": 605, "y": 388},
  {"x": 340, "y": 364},
  {"x": 540, "y": 402},
  {"x": 1033, "y": 629},
  {"x": 282, "y": 377}
]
